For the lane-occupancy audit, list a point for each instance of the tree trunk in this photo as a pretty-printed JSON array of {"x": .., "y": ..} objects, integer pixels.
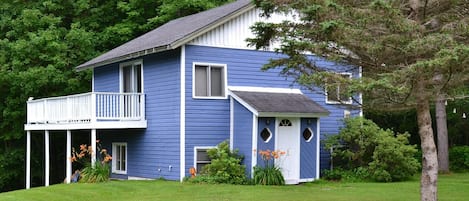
[
  {"x": 442, "y": 132},
  {"x": 428, "y": 180}
]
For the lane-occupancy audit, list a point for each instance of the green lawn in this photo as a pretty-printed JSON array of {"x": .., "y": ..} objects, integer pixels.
[{"x": 451, "y": 187}]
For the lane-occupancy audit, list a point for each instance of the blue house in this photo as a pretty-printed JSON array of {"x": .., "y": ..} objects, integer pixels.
[{"x": 159, "y": 101}]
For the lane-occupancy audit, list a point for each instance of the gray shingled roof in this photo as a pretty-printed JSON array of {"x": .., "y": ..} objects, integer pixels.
[
  {"x": 170, "y": 35},
  {"x": 266, "y": 102}
]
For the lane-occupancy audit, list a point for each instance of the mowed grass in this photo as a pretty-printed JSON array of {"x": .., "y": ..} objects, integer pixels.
[{"x": 450, "y": 187}]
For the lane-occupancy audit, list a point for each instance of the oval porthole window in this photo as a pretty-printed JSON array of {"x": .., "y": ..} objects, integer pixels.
[
  {"x": 266, "y": 135},
  {"x": 308, "y": 134}
]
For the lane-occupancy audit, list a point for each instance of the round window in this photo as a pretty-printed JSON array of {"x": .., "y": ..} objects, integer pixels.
[
  {"x": 266, "y": 134},
  {"x": 308, "y": 134}
]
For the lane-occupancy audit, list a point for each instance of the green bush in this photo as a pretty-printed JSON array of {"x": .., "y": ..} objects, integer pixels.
[
  {"x": 355, "y": 175},
  {"x": 459, "y": 158},
  {"x": 225, "y": 167},
  {"x": 362, "y": 145}
]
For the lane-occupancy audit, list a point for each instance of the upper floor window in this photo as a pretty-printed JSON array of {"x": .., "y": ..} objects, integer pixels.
[
  {"x": 209, "y": 80},
  {"x": 131, "y": 77},
  {"x": 336, "y": 91}
]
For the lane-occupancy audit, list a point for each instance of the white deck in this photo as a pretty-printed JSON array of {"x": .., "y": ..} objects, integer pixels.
[{"x": 94, "y": 110}]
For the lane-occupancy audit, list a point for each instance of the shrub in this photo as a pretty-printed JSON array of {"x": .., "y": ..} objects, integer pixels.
[
  {"x": 269, "y": 174},
  {"x": 362, "y": 144},
  {"x": 225, "y": 167},
  {"x": 99, "y": 173},
  {"x": 459, "y": 158}
]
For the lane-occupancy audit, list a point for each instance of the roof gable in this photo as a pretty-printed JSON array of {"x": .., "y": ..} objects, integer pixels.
[{"x": 172, "y": 34}]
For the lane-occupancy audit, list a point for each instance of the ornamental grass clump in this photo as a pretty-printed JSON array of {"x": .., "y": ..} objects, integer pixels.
[{"x": 269, "y": 174}]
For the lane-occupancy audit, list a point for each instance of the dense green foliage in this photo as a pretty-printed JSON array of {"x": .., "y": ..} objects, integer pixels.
[
  {"x": 450, "y": 187},
  {"x": 225, "y": 167},
  {"x": 459, "y": 158},
  {"x": 41, "y": 41},
  {"x": 372, "y": 152}
]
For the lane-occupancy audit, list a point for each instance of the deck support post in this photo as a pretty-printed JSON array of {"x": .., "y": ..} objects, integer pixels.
[
  {"x": 47, "y": 157},
  {"x": 28, "y": 159},
  {"x": 93, "y": 147},
  {"x": 68, "y": 154}
]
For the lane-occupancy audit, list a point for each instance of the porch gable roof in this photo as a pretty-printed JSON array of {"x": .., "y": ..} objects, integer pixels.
[{"x": 273, "y": 103}]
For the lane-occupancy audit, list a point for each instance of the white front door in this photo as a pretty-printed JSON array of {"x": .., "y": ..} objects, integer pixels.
[{"x": 288, "y": 140}]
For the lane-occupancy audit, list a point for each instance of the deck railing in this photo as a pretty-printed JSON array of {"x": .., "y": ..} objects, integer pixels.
[{"x": 88, "y": 107}]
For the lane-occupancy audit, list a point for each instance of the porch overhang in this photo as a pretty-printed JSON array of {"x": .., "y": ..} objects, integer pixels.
[
  {"x": 86, "y": 126},
  {"x": 283, "y": 103}
]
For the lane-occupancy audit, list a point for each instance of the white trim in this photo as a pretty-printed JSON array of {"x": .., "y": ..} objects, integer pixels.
[
  {"x": 225, "y": 80},
  {"x": 114, "y": 144},
  {"x": 307, "y": 180},
  {"x": 195, "y": 153},
  {"x": 182, "y": 115},
  {"x": 318, "y": 159},
  {"x": 121, "y": 73},
  {"x": 265, "y": 89},
  {"x": 139, "y": 178},
  {"x": 68, "y": 166},
  {"x": 254, "y": 143},
  {"x": 292, "y": 115},
  {"x": 28, "y": 159},
  {"x": 231, "y": 122},
  {"x": 47, "y": 158},
  {"x": 93, "y": 125},
  {"x": 339, "y": 102}
]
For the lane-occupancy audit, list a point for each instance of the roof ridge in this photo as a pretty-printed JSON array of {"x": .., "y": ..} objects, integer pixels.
[{"x": 170, "y": 35}]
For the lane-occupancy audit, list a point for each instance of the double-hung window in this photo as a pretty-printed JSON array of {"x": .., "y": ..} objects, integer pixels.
[
  {"x": 201, "y": 157},
  {"x": 119, "y": 160},
  {"x": 337, "y": 90},
  {"x": 209, "y": 80}
]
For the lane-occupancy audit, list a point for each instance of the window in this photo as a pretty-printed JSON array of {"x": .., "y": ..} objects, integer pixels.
[
  {"x": 131, "y": 77},
  {"x": 201, "y": 157},
  {"x": 336, "y": 91},
  {"x": 209, "y": 80},
  {"x": 119, "y": 158},
  {"x": 308, "y": 134},
  {"x": 266, "y": 135},
  {"x": 285, "y": 122}
]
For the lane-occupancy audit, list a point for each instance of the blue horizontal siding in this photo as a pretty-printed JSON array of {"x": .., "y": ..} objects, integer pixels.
[
  {"x": 106, "y": 78},
  {"x": 242, "y": 134},
  {"x": 157, "y": 147},
  {"x": 244, "y": 69}
]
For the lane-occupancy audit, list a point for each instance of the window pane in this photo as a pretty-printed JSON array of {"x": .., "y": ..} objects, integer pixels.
[
  {"x": 127, "y": 79},
  {"x": 216, "y": 78},
  {"x": 202, "y": 155},
  {"x": 123, "y": 158},
  {"x": 138, "y": 78},
  {"x": 332, "y": 94},
  {"x": 201, "y": 85}
]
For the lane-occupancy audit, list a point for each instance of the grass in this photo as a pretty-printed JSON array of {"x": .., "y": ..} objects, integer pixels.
[{"x": 450, "y": 187}]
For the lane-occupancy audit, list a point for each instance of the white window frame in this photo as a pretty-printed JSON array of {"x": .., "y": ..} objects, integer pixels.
[
  {"x": 349, "y": 101},
  {"x": 114, "y": 161},
  {"x": 195, "y": 154},
  {"x": 121, "y": 73},
  {"x": 225, "y": 80},
  {"x": 268, "y": 139},
  {"x": 312, "y": 134}
]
